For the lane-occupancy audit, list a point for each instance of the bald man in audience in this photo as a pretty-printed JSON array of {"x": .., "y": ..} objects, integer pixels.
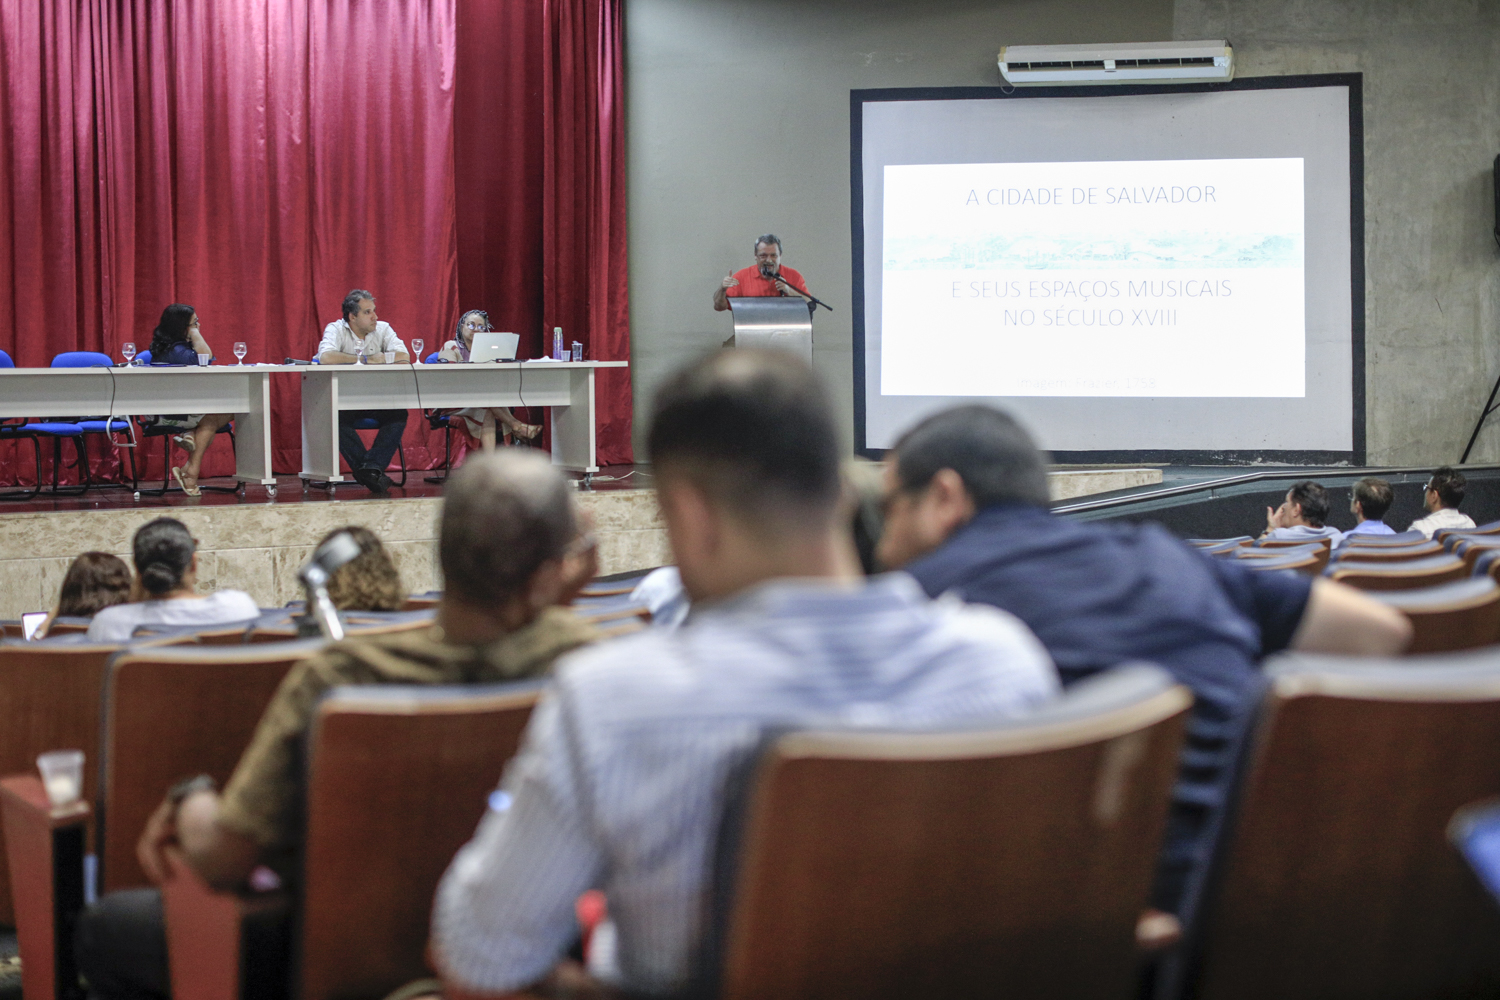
[
  {"x": 966, "y": 514},
  {"x": 627, "y": 760},
  {"x": 511, "y": 555}
]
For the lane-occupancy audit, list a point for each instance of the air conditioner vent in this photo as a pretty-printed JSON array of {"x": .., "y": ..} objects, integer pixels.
[{"x": 1145, "y": 62}]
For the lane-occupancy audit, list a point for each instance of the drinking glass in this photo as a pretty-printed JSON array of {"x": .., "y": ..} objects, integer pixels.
[
  {"x": 239, "y": 352},
  {"x": 128, "y": 350},
  {"x": 416, "y": 350},
  {"x": 62, "y": 776}
]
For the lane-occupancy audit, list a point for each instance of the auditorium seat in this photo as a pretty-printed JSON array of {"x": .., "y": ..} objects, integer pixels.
[
  {"x": 1213, "y": 543},
  {"x": 49, "y": 700},
  {"x": 1389, "y": 553},
  {"x": 1287, "y": 543},
  {"x": 1299, "y": 553},
  {"x": 398, "y": 778},
  {"x": 1309, "y": 563},
  {"x": 1443, "y": 534},
  {"x": 1015, "y": 860},
  {"x": 1450, "y": 616},
  {"x": 1400, "y": 538},
  {"x": 1338, "y": 880},
  {"x": 1425, "y": 572},
  {"x": 167, "y": 713},
  {"x": 1470, "y": 548}
]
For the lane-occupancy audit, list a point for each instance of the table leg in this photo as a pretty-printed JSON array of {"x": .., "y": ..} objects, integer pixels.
[
  {"x": 252, "y": 434},
  {"x": 320, "y": 428},
  {"x": 573, "y": 426}
]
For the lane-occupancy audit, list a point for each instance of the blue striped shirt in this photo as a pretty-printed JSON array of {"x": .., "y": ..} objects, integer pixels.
[{"x": 622, "y": 776}]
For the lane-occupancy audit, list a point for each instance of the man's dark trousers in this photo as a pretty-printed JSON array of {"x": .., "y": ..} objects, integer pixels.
[{"x": 392, "y": 426}]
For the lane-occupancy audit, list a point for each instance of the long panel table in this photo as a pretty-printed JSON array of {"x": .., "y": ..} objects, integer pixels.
[
  {"x": 566, "y": 387},
  {"x": 241, "y": 390}
]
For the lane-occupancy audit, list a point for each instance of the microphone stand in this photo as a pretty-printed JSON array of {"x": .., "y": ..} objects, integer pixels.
[{"x": 812, "y": 299}]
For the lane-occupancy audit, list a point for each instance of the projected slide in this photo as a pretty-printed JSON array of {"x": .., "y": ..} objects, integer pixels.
[{"x": 1147, "y": 278}]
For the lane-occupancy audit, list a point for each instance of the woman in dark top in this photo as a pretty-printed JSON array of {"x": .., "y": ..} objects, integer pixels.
[{"x": 176, "y": 341}]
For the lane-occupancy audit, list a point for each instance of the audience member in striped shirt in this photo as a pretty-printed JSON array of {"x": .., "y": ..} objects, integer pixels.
[{"x": 628, "y": 759}]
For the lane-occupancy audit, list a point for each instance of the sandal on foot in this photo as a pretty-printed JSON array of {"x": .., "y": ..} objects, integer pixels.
[
  {"x": 186, "y": 442},
  {"x": 192, "y": 491}
]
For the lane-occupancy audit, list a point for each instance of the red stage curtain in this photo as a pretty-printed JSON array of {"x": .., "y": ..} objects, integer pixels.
[
  {"x": 258, "y": 158},
  {"x": 540, "y": 177}
]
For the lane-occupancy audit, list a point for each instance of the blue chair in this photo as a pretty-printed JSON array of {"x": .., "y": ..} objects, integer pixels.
[
  {"x": 443, "y": 422},
  {"x": 371, "y": 424},
  {"x": 86, "y": 425},
  {"x": 15, "y": 430}
]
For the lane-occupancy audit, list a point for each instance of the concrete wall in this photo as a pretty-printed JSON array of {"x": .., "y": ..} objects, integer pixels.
[
  {"x": 1432, "y": 129},
  {"x": 738, "y": 124}
]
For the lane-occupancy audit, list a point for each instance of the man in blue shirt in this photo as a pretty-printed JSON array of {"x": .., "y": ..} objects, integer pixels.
[
  {"x": 966, "y": 512},
  {"x": 1372, "y": 498}
]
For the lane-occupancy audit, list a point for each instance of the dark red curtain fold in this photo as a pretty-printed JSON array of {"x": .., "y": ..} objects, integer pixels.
[
  {"x": 540, "y": 178},
  {"x": 258, "y": 158}
]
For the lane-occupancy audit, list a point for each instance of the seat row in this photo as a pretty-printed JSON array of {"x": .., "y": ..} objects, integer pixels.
[
  {"x": 1449, "y": 586},
  {"x": 835, "y": 878}
]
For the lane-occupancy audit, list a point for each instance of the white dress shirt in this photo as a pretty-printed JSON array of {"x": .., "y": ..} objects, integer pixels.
[
  {"x": 1444, "y": 517},
  {"x": 624, "y": 769},
  {"x": 338, "y": 336}
]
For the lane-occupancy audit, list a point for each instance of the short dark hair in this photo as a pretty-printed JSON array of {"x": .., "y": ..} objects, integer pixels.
[
  {"x": 767, "y": 239},
  {"x": 352, "y": 301},
  {"x": 992, "y": 453},
  {"x": 504, "y": 515},
  {"x": 369, "y": 581},
  {"x": 1313, "y": 499},
  {"x": 1374, "y": 496},
  {"x": 754, "y": 429},
  {"x": 163, "y": 551},
  {"x": 94, "y": 581},
  {"x": 1449, "y": 484}
]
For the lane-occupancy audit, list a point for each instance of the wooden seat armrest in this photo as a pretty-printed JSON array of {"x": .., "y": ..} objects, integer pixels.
[
  {"x": 44, "y": 847},
  {"x": 223, "y": 945}
]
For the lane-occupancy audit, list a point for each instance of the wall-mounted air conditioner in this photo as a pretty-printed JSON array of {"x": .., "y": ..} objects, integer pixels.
[{"x": 1142, "y": 62}]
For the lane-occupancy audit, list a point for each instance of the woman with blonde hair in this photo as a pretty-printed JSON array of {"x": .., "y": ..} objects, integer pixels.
[{"x": 370, "y": 582}]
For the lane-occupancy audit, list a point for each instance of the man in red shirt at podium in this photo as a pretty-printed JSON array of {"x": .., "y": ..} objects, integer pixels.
[{"x": 767, "y": 277}]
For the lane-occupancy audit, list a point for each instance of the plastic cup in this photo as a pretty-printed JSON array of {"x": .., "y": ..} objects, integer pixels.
[
  {"x": 390, "y": 357},
  {"x": 62, "y": 776},
  {"x": 203, "y": 360}
]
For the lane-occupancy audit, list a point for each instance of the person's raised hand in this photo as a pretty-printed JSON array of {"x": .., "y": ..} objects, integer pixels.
[
  {"x": 729, "y": 282},
  {"x": 1272, "y": 521},
  {"x": 160, "y": 832}
]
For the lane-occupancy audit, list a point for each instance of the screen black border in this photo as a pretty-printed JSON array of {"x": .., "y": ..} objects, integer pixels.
[{"x": 1353, "y": 81}]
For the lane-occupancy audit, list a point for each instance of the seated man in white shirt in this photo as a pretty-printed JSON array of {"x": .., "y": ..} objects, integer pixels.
[
  {"x": 1301, "y": 515},
  {"x": 626, "y": 764},
  {"x": 1441, "y": 497},
  {"x": 1370, "y": 500},
  {"x": 165, "y": 588},
  {"x": 361, "y": 334}
]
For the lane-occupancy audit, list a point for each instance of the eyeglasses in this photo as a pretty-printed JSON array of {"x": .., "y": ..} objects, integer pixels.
[{"x": 482, "y": 323}]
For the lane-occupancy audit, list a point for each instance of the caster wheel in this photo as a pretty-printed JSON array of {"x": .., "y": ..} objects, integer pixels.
[
  {"x": 137, "y": 496},
  {"x": 332, "y": 489},
  {"x": 239, "y": 489},
  {"x": 271, "y": 492},
  {"x": 304, "y": 484}
]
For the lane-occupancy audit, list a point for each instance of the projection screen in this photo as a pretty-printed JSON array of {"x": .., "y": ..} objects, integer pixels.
[{"x": 1137, "y": 273}]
